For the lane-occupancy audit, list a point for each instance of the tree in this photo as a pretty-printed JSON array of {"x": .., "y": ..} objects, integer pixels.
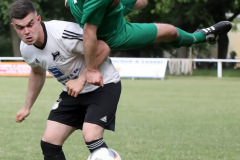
[
  {"x": 47, "y": 9},
  {"x": 4, "y": 27}
]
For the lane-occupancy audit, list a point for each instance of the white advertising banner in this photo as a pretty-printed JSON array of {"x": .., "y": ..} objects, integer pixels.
[
  {"x": 127, "y": 68},
  {"x": 15, "y": 69},
  {"x": 140, "y": 67}
]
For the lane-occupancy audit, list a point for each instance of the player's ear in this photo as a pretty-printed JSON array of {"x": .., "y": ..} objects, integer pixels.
[
  {"x": 39, "y": 18},
  {"x": 12, "y": 24}
]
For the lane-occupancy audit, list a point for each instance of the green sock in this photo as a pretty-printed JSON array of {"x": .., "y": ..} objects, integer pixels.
[{"x": 187, "y": 39}]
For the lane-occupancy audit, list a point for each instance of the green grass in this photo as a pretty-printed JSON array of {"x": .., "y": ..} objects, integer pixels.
[
  {"x": 179, "y": 118},
  {"x": 213, "y": 72}
]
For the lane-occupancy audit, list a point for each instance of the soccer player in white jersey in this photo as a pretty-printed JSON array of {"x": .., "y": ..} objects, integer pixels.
[{"x": 56, "y": 46}]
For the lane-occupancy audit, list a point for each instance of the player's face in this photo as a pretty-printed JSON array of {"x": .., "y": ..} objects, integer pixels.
[{"x": 29, "y": 29}]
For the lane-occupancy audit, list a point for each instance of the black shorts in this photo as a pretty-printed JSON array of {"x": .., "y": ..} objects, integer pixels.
[{"x": 96, "y": 107}]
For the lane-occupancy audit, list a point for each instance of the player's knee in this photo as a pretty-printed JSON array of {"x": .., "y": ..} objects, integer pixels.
[
  {"x": 51, "y": 151},
  {"x": 166, "y": 33},
  {"x": 89, "y": 137},
  {"x": 172, "y": 32},
  {"x": 140, "y": 4},
  {"x": 92, "y": 132}
]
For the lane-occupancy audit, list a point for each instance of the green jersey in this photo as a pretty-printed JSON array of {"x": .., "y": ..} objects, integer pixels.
[{"x": 106, "y": 14}]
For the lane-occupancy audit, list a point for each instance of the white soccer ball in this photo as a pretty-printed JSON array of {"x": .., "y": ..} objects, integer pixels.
[{"x": 104, "y": 154}]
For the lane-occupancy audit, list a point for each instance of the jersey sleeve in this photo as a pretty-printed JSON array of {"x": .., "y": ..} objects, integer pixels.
[
  {"x": 28, "y": 57},
  {"x": 94, "y": 11},
  {"x": 72, "y": 38}
]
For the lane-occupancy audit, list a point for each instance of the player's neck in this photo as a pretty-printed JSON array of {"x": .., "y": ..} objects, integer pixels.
[{"x": 40, "y": 41}]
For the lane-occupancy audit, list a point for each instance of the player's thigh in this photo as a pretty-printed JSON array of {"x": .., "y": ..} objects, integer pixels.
[
  {"x": 56, "y": 133},
  {"x": 135, "y": 35}
]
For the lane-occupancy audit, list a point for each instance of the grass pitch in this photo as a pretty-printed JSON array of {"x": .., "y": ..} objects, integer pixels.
[{"x": 179, "y": 118}]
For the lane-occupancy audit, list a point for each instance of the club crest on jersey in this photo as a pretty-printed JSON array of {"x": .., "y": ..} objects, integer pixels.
[
  {"x": 37, "y": 61},
  {"x": 57, "y": 57}
]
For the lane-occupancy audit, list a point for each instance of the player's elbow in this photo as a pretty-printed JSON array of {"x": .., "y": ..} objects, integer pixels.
[
  {"x": 103, "y": 49},
  {"x": 90, "y": 29}
]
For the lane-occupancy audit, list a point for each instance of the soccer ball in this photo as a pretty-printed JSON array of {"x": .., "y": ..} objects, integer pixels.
[{"x": 104, "y": 154}]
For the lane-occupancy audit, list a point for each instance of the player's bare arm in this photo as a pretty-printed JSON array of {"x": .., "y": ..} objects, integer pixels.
[
  {"x": 36, "y": 81},
  {"x": 74, "y": 87},
  {"x": 90, "y": 51}
]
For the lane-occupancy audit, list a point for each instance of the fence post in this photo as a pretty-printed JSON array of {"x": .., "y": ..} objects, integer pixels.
[{"x": 219, "y": 69}]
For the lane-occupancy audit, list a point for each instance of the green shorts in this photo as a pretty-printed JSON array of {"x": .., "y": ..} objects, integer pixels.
[{"x": 132, "y": 36}]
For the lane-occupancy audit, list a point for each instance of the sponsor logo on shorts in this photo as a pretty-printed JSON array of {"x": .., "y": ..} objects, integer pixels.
[
  {"x": 56, "y": 104},
  {"x": 104, "y": 119}
]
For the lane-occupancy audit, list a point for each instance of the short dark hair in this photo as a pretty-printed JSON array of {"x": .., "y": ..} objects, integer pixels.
[{"x": 21, "y": 8}]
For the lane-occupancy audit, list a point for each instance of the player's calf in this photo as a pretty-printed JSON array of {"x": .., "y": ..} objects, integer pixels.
[{"x": 52, "y": 152}]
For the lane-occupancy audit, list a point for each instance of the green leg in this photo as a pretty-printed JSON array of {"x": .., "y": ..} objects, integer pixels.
[{"x": 187, "y": 39}]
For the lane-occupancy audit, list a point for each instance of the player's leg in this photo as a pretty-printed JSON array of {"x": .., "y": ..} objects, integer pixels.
[
  {"x": 133, "y": 5},
  {"x": 136, "y": 35},
  {"x": 54, "y": 136},
  {"x": 100, "y": 114},
  {"x": 66, "y": 116},
  {"x": 140, "y": 4},
  {"x": 203, "y": 35},
  {"x": 167, "y": 32},
  {"x": 93, "y": 136}
]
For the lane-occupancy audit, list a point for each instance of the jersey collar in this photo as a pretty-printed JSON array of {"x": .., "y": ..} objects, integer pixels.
[{"x": 45, "y": 37}]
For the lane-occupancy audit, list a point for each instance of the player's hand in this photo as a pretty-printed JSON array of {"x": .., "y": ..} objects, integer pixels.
[
  {"x": 75, "y": 86},
  {"x": 22, "y": 114},
  {"x": 94, "y": 77}
]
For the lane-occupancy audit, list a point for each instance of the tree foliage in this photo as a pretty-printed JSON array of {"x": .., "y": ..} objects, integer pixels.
[{"x": 48, "y": 10}]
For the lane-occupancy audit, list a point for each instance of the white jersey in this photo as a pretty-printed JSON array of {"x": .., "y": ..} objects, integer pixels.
[{"x": 62, "y": 54}]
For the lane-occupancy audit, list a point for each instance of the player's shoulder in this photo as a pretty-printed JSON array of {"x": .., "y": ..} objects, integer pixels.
[
  {"x": 24, "y": 47},
  {"x": 61, "y": 26},
  {"x": 27, "y": 51}
]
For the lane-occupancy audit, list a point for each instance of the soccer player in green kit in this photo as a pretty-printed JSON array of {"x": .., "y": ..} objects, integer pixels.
[{"x": 104, "y": 19}]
